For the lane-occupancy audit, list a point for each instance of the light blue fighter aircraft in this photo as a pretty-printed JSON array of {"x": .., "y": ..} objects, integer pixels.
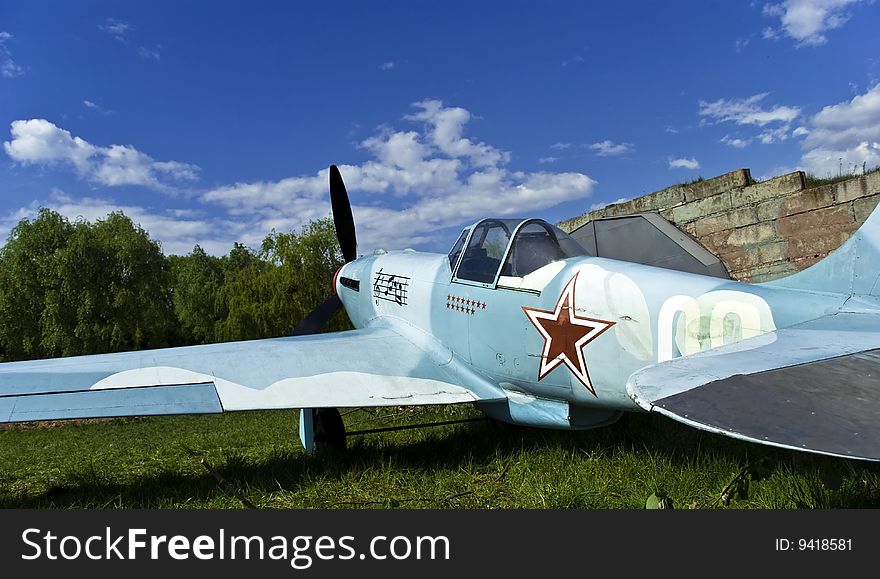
[{"x": 518, "y": 321}]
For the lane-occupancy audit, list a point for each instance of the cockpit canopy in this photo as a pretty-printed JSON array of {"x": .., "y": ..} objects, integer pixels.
[{"x": 509, "y": 247}]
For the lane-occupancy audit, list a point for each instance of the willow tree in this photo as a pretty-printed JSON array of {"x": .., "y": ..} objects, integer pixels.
[
  {"x": 289, "y": 276},
  {"x": 82, "y": 288}
]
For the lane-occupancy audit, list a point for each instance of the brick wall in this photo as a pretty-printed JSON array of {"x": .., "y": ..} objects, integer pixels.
[{"x": 761, "y": 231}]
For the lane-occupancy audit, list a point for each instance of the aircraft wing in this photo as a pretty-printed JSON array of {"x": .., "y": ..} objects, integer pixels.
[
  {"x": 814, "y": 386},
  {"x": 372, "y": 366}
]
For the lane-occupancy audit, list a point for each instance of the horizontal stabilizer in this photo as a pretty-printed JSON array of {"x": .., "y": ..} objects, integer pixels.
[{"x": 813, "y": 387}]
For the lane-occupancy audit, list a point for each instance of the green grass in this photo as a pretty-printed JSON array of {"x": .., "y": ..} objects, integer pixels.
[
  {"x": 155, "y": 463},
  {"x": 811, "y": 180}
]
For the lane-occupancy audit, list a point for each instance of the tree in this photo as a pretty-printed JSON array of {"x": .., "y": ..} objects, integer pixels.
[
  {"x": 28, "y": 273},
  {"x": 266, "y": 296},
  {"x": 197, "y": 280},
  {"x": 307, "y": 260},
  {"x": 120, "y": 284},
  {"x": 82, "y": 288}
]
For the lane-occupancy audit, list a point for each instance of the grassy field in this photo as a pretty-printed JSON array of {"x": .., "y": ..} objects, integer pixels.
[{"x": 156, "y": 463}]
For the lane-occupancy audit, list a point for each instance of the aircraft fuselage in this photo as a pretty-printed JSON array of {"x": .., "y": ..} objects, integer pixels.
[{"x": 574, "y": 330}]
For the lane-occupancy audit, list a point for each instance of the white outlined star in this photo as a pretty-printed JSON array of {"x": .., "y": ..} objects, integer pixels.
[{"x": 565, "y": 334}]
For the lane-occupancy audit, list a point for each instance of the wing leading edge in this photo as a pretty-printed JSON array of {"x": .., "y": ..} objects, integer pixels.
[
  {"x": 812, "y": 387},
  {"x": 373, "y": 366}
]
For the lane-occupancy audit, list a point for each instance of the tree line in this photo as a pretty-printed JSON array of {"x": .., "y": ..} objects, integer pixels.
[{"x": 77, "y": 287}]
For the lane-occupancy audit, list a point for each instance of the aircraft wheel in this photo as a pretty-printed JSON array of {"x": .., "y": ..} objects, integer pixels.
[{"x": 329, "y": 430}]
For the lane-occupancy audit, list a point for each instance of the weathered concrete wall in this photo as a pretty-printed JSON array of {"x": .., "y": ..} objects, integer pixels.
[{"x": 761, "y": 231}]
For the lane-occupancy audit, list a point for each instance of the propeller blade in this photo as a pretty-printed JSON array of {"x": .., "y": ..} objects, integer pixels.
[
  {"x": 342, "y": 218},
  {"x": 318, "y": 318}
]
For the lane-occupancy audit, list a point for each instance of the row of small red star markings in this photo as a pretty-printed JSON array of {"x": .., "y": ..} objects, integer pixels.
[
  {"x": 464, "y": 305},
  {"x": 477, "y": 305},
  {"x": 461, "y": 309}
]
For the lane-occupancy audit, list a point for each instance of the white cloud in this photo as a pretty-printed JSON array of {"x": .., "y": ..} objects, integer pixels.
[
  {"x": 577, "y": 59},
  {"x": 93, "y": 106},
  {"x": 609, "y": 148},
  {"x": 844, "y": 136},
  {"x": 776, "y": 135},
  {"x": 441, "y": 177},
  {"x": 807, "y": 21},
  {"x": 154, "y": 53},
  {"x": 848, "y": 122},
  {"x": 40, "y": 142},
  {"x": 8, "y": 67},
  {"x": 416, "y": 183},
  {"x": 118, "y": 29},
  {"x": 747, "y": 111},
  {"x": 445, "y": 126},
  {"x": 775, "y": 121},
  {"x": 546, "y": 160},
  {"x": 769, "y": 33},
  {"x": 684, "y": 163},
  {"x": 603, "y": 204},
  {"x": 178, "y": 231},
  {"x": 560, "y": 146},
  {"x": 735, "y": 142},
  {"x": 741, "y": 44},
  {"x": 849, "y": 161},
  {"x": 388, "y": 65}
]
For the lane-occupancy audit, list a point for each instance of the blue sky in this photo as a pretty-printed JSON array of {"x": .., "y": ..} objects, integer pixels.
[{"x": 213, "y": 123}]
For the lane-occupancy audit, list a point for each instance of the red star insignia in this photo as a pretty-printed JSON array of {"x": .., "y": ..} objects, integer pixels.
[{"x": 565, "y": 334}]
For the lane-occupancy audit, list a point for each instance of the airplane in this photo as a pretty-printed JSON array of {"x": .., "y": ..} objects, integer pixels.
[{"x": 518, "y": 321}]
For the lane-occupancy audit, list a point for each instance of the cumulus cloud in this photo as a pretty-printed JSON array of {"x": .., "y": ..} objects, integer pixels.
[
  {"x": 40, "y": 142},
  {"x": 445, "y": 126},
  {"x": 848, "y": 122},
  {"x": 177, "y": 230},
  {"x": 118, "y": 29},
  {"x": 603, "y": 204},
  {"x": 735, "y": 142},
  {"x": 684, "y": 163},
  {"x": 609, "y": 148},
  {"x": 775, "y": 121},
  {"x": 807, "y": 21},
  {"x": 388, "y": 65},
  {"x": 747, "y": 111},
  {"x": 434, "y": 176},
  {"x": 154, "y": 53},
  {"x": 8, "y": 67},
  {"x": 824, "y": 162},
  {"x": 844, "y": 135},
  {"x": 418, "y": 180}
]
